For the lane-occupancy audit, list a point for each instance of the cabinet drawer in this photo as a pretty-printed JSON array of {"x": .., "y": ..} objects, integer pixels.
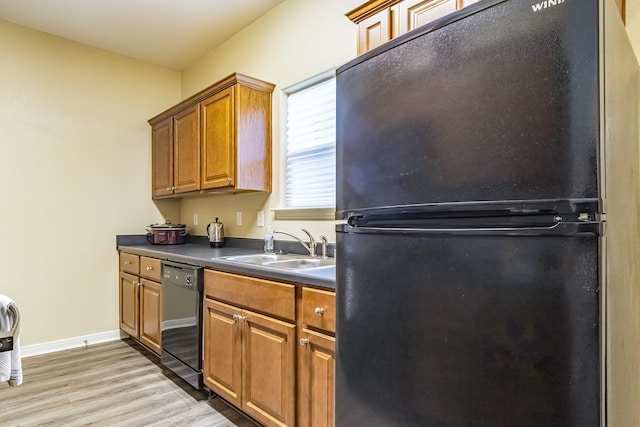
[
  {"x": 129, "y": 263},
  {"x": 277, "y": 299},
  {"x": 151, "y": 268},
  {"x": 319, "y": 309}
]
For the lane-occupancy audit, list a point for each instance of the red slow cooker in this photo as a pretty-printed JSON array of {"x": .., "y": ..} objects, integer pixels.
[{"x": 166, "y": 234}]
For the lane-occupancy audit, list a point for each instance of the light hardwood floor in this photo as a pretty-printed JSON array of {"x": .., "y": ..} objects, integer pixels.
[{"x": 113, "y": 384}]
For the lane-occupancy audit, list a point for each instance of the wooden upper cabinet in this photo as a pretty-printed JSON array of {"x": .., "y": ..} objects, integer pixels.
[
  {"x": 162, "y": 157},
  {"x": 382, "y": 20},
  {"x": 622, "y": 7},
  {"x": 186, "y": 146},
  {"x": 218, "y": 140},
  {"x": 416, "y": 13},
  {"x": 374, "y": 30},
  {"x": 253, "y": 135}
]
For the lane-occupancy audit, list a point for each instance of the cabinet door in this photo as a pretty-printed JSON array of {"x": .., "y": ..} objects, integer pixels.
[
  {"x": 129, "y": 314},
  {"x": 317, "y": 377},
  {"x": 415, "y": 13},
  {"x": 374, "y": 30},
  {"x": 218, "y": 140},
  {"x": 268, "y": 392},
  {"x": 162, "y": 158},
  {"x": 150, "y": 314},
  {"x": 222, "y": 350},
  {"x": 186, "y": 137}
]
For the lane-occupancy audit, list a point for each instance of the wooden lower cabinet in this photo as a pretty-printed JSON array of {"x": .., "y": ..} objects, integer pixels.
[
  {"x": 129, "y": 307},
  {"x": 316, "y": 358},
  {"x": 140, "y": 299},
  {"x": 249, "y": 360},
  {"x": 223, "y": 351},
  {"x": 149, "y": 294},
  {"x": 316, "y": 400}
]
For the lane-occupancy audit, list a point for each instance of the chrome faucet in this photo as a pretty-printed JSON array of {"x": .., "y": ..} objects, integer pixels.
[
  {"x": 325, "y": 242},
  {"x": 311, "y": 247}
]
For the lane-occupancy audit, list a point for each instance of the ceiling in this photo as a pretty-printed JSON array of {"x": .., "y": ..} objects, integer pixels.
[{"x": 170, "y": 33}]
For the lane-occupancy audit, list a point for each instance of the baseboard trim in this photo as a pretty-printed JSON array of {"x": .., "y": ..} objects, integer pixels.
[{"x": 68, "y": 343}]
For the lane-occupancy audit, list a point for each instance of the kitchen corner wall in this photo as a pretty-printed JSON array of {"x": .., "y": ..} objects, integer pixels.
[
  {"x": 293, "y": 42},
  {"x": 75, "y": 161}
]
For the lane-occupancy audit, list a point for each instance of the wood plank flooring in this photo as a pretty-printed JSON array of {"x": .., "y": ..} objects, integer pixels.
[{"x": 119, "y": 383}]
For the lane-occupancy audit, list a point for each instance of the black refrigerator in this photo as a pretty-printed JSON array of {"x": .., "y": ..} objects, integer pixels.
[{"x": 472, "y": 158}]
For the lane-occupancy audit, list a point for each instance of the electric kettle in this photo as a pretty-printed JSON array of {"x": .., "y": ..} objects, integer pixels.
[{"x": 215, "y": 231}]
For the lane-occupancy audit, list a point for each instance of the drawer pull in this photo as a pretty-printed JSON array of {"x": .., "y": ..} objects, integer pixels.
[
  {"x": 319, "y": 311},
  {"x": 127, "y": 262},
  {"x": 304, "y": 341},
  {"x": 149, "y": 268}
]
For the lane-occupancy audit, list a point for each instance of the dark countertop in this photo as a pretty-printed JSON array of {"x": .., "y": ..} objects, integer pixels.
[{"x": 199, "y": 253}]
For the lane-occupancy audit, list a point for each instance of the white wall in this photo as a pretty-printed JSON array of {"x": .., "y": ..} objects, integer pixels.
[
  {"x": 75, "y": 170},
  {"x": 293, "y": 42}
]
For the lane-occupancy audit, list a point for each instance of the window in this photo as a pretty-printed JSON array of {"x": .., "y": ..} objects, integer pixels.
[{"x": 310, "y": 146}]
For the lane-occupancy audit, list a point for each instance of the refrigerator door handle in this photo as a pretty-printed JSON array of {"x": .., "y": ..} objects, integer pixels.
[{"x": 558, "y": 229}]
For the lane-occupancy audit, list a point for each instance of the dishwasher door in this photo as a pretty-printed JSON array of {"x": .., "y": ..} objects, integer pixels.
[{"x": 181, "y": 325}]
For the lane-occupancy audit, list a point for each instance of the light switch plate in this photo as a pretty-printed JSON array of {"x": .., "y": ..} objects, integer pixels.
[
  {"x": 260, "y": 219},
  {"x": 239, "y": 218}
]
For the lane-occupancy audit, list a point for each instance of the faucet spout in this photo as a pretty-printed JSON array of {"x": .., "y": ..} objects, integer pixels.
[
  {"x": 325, "y": 243},
  {"x": 310, "y": 247}
]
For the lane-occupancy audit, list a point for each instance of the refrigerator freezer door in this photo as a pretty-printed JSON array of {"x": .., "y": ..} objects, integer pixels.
[
  {"x": 459, "y": 331},
  {"x": 501, "y": 105}
]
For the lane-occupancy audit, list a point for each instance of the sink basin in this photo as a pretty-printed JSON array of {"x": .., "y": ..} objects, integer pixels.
[
  {"x": 327, "y": 272},
  {"x": 287, "y": 262},
  {"x": 258, "y": 258},
  {"x": 300, "y": 263}
]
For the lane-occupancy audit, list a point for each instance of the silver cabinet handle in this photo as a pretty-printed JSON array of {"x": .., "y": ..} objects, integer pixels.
[
  {"x": 149, "y": 268},
  {"x": 304, "y": 341},
  {"x": 169, "y": 188},
  {"x": 127, "y": 262},
  {"x": 229, "y": 179},
  {"x": 238, "y": 318},
  {"x": 319, "y": 311}
]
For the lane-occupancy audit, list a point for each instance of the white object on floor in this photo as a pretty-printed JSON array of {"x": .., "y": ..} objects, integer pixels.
[{"x": 10, "y": 361}]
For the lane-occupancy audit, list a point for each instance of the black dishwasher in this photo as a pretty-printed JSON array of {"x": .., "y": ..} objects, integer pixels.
[{"x": 181, "y": 325}]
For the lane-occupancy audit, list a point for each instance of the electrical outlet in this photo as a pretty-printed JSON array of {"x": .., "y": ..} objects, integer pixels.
[
  {"x": 238, "y": 218},
  {"x": 195, "y": 218},
  {"x": 260, "y": 219}
]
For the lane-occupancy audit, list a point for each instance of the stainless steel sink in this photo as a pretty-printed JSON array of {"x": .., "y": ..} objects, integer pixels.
[
  {"x": 258, "y": 258},
  {"x": 300, "y": 263},
  {"x": 285, "y": 262}
]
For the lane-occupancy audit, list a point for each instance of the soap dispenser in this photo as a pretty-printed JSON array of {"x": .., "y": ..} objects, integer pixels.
[{"x": 268, "y": 241}]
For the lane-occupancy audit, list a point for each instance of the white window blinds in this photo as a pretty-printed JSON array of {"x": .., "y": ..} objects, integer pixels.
[{"x": 311, "y": 147}]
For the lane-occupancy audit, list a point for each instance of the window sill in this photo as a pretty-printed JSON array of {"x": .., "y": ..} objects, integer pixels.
[{"x": 305, "y": 213}]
